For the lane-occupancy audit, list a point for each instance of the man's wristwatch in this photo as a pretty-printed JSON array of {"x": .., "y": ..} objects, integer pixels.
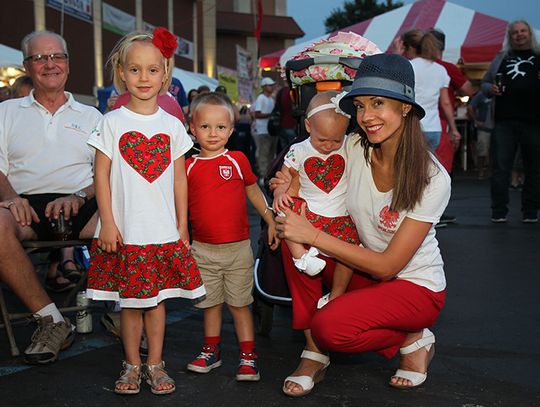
[{"x": 81, "y": 194}]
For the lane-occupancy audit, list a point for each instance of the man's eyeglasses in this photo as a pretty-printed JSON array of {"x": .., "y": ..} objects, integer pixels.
[{"x": 43, "y": 59}]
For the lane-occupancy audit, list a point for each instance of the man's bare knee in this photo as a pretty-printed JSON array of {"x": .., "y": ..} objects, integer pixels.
[{"x": 12, "y": 230}]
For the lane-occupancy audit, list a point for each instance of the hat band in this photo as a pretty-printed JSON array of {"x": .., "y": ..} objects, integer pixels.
[{"x": 384, "y": 84}]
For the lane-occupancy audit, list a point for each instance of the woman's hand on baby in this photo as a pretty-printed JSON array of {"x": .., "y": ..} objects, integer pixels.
[
  {"x": 295, "y": 227},
  {"x": 109, "y": 238}
]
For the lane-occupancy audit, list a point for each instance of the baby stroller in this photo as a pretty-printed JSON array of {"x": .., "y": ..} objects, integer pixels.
[{"x": 329, "y": 64}]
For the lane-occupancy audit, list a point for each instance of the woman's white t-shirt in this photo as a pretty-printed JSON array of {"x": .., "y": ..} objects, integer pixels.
[
  {"x": 142, "y": 150},
  {"x": 377, "y": 225}
]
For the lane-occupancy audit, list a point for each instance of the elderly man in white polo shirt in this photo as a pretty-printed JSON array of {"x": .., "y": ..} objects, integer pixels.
[
  {"x": 45, "y": 172},
  {"x": 266, "y": 144}
]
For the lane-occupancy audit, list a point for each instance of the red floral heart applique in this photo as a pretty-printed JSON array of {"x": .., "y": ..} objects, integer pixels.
[
  {"x": 325, "y": 174},
  {"x": 149, "y": 157}
]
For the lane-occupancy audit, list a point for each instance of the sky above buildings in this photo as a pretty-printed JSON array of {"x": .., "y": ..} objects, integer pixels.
[{"x": 310, "y": 14}]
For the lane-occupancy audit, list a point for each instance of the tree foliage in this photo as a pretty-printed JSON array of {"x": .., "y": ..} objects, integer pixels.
[{"x": 356, "y": 11}]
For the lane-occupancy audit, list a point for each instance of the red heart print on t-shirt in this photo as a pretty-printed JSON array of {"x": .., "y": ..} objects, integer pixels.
[
  {"x": 149, "y": 157},
  {"x": 325, "y": 174}
]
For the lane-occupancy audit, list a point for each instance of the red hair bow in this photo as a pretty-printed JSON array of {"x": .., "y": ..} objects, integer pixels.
[{"x": 165, "y": 41}]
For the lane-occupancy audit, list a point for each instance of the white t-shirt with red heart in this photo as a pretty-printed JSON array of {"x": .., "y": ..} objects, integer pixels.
[
  {"x": 142, "y": 150},
  {"x": 323, "y": 179}
]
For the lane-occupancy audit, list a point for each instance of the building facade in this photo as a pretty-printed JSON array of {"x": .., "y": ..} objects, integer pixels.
[{"x": 209, "y": 31}]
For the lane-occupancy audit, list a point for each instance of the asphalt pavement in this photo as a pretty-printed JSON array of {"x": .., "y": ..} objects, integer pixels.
[{"x": 486, "y": 350}]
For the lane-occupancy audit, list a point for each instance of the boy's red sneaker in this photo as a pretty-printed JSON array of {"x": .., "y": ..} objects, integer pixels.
[
  {"x": 208, "y": 359},
  {"x": 247, "y": 369}
]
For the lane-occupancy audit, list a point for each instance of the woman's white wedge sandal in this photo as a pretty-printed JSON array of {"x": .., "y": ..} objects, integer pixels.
[
  {"x": 307, "y": 382},
  {"x": 416, "y": 378}
]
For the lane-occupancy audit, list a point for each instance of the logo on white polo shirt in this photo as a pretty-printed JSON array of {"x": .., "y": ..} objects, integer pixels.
[
  {"x": 225, "y": 171},
  {"x": 74, "y": 126}
]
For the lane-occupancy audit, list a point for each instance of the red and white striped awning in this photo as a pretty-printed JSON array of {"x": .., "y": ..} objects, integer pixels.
[{"x": 471, "y": 36}]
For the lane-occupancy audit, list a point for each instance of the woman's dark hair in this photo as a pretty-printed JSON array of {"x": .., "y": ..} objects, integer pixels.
[
  {"x": 221, "y": 89},
  {"x": 192, "y": 94},
  {"x": 426, "y": 44},
  {"x": 203, "y": 88}
]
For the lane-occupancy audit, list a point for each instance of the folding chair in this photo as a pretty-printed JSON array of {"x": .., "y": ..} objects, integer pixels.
[{"x": 35, "y": 246}]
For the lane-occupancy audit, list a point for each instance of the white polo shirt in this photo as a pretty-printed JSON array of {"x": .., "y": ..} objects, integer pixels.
[{"x": 42, "y": 152}]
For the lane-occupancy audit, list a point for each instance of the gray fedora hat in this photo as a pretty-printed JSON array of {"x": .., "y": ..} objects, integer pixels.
[{"x": 387, "y": 75}]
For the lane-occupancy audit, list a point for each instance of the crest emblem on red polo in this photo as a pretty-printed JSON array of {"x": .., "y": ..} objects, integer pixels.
[{"x": 225, "y": 171}]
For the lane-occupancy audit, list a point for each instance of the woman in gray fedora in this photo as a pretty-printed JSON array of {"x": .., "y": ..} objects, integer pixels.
[{"x": 397, "y": 191}]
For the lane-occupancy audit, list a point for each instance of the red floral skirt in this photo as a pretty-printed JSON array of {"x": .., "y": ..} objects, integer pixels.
[
  {"x": 341, "y": 227},
  {"x": 143, "y": 276}
]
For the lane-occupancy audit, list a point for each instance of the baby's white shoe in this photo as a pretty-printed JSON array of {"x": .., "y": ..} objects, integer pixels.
[{"x": 309, "y": 263}]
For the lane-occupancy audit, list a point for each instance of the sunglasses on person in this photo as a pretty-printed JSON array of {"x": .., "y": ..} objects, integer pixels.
[{"x": 42, "y": 59}]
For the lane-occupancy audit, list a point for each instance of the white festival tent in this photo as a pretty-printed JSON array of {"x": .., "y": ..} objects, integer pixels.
[
  {"x": 192, "y": 80},
  {"x": 10, "y": 56}
]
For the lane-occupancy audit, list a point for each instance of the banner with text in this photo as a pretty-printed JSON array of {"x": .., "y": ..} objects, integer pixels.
[
  {"x": 117, "y": 21},
  {"x": 244, "y": 69},
  {"x": 81, "y": 9},
  {"x": 228, "y": 78}
]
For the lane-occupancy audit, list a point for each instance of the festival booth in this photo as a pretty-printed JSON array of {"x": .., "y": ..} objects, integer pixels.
[{"x": 472, "y": 38}]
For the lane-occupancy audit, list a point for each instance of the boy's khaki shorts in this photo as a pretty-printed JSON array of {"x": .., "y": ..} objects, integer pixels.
[{"x": 227, "y": 273}]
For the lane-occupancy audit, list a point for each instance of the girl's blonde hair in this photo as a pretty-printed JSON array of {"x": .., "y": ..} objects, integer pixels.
[{"x": 119, "y": 54}]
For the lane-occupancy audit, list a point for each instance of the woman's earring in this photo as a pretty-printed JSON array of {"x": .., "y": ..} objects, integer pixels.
[{"x": 404, "y": 114}]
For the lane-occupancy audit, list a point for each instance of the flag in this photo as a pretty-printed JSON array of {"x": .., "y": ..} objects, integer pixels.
[{"x": 258, "y": 25}]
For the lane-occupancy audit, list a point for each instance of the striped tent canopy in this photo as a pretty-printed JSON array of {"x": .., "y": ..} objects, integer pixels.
[{"x": 471, "y": 37}]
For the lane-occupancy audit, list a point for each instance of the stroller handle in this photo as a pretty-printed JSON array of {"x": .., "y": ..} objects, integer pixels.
[{"x": 299, "y": 64}]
